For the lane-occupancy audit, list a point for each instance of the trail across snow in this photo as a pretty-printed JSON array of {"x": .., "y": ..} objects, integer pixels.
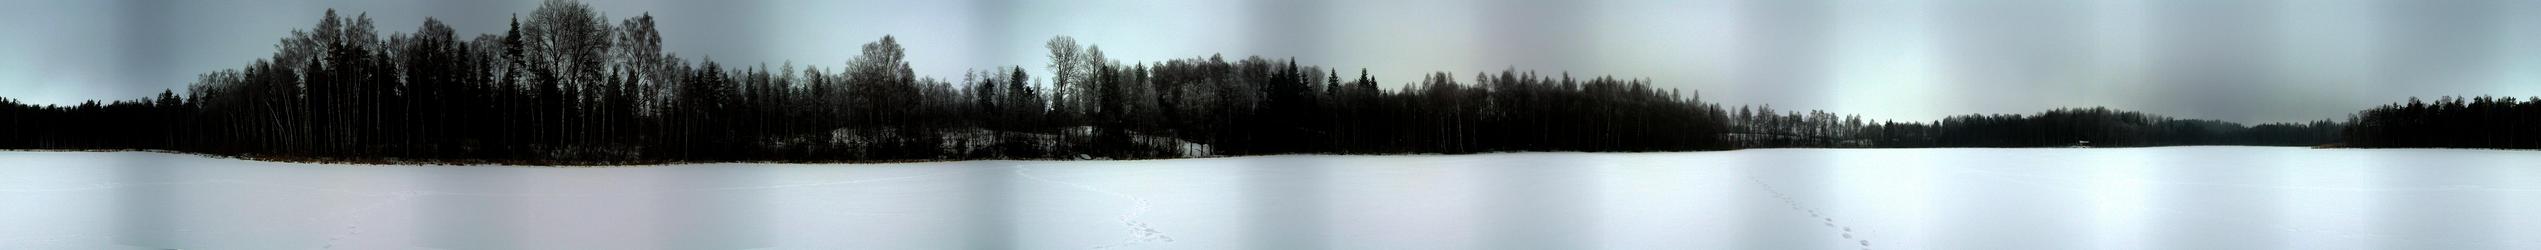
[
  {"x": 1139, "y": 231},
  {"x": 1829, "y": 221}
]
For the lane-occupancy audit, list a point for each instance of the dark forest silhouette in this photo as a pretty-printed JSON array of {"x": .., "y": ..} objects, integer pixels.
[
  {"x": 565, "y": 85},
  {"x": 2450, "y": 122},
  {"x": 1760, "y": 127}
]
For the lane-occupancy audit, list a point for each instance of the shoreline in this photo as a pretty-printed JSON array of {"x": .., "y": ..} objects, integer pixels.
[{"x": 611, "y": 164}]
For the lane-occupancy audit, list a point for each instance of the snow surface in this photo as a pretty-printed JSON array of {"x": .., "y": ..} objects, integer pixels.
[{"x": 2130, "y": 198}]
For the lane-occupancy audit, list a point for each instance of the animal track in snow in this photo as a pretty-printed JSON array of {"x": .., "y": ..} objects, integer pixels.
[
  {"x": 1139, "y": 231},
  {"x": 1823, "y": 219}
]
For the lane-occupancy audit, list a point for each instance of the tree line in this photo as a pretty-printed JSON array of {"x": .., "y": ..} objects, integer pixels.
[
  {"x": 1759, "y": 126},
  {"x": 2449, "y": 122},
  {"x": 128, "y": 124},
  {"x": 566, "y": 84}
]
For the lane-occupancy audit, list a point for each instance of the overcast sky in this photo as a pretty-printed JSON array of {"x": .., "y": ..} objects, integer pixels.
[{"x": 2244, "y": 61}]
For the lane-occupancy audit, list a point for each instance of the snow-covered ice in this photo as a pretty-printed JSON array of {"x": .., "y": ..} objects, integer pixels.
[{"x": 2100, "y": 198}]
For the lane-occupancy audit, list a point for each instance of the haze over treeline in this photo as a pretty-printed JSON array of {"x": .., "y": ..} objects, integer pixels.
[{"x": 565, "y": 84}]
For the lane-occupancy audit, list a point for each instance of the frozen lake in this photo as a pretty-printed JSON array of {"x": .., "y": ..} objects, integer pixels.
[{"x": 2131, "y": 198}]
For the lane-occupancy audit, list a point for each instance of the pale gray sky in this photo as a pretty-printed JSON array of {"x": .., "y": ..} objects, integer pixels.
[{"x": 2235, "y": 60}]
